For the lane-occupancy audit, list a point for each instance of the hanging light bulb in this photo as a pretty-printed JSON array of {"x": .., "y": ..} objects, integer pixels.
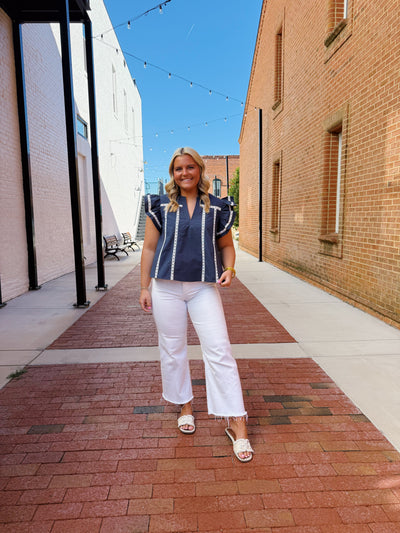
[
  {"x": 145, "y": 64},
  {"x": 129, "y": 24},
  {"x": 169, "y": 75},
  {"x": 188, "y": 128},
  {"x": 210, "y": 91},
  {"x": 191, "y": 84},
  {"x": 206, "y": 123},
  {"x": 160, "y": 8},
  {"x": 241, "y": 103},
  {"x": 227, "y": 98},
  {"x": 225, "y": 119}
]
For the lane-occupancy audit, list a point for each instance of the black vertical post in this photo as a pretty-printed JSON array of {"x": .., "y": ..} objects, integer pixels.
[
  {"x": 260, "y": 162},
  {"x": 227, "y": 175},
  {"x": 101, "y": 285},
  {"x": 25, "y": 155},
  {"x": 72, "y": 155},
  {"x": 1, "y": 299}
]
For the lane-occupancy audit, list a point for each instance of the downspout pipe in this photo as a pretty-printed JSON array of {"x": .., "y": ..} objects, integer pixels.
[{"x": 260, "y": 188}]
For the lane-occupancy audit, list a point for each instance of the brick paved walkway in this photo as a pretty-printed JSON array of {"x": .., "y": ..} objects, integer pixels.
[
  {"x": 93, "y": 449},
  {"x": 118, "y": 321}
]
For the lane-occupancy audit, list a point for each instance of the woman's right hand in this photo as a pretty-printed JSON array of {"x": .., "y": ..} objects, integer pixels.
[{"x": 145, "y": 300}]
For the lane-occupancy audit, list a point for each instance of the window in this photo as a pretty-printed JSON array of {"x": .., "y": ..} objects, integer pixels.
[
  {"x": 332, "y": 185},
  {"x": 217, "y": 187},
  {"x": 278, "y": 84},
  {"x": 339, "y": 22},
  {"x": 333, "y": 195},
  {"x": 133, "y": 126},
  {"x": 114, "y": 90},
  {"x": 125, "y": 110},
  {"x": 81, "y": 127},
  {"x": 276, "y": 197}
]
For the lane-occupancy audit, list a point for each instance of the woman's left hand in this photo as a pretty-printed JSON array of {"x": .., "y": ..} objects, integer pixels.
[{"x": 226, "y": 278}]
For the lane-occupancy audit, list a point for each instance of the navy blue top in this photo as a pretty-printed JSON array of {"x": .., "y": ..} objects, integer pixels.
[{"x": 187, "y": 249}]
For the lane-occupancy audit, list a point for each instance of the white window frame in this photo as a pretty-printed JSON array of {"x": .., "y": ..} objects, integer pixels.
[
  {"x": 338, "y": 180},
  {"x": 345, "y": 8},
  {"x": 114, "y": 90}
]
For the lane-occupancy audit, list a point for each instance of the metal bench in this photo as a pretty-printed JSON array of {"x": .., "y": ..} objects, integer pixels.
[
  {"x": 129, "y": 241},
  {"x": 113, "y": 246}
]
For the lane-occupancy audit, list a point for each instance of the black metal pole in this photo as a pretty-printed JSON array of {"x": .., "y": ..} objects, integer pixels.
[
  {"x": 101, "y": 285},
  {"x": 1, "y": 299},
  {"x": 25, "y": 155},
  {"x": 72, "y": 155},
  {"x": 260, "y": 189},
  {"x": 227, "y": 175}
]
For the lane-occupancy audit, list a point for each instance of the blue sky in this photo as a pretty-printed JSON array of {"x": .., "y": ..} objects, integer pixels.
[{"x": 208, "y": 42}]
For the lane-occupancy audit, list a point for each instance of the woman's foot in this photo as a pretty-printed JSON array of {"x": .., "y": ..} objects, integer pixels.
[
  {"x": 238, "y": 430},
  {"x": 186, "y": 420}
]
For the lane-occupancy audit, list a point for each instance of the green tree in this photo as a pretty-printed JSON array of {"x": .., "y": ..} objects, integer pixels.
[{"x": 234, "y": 191}]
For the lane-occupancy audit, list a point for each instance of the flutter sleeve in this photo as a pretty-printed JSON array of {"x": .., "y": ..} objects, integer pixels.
[
  {"x": 226, "y": 217},
  {"x": 153, "y": 210}
]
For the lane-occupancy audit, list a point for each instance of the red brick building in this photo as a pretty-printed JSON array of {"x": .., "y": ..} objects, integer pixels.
[
  {"x": 220, "y": 169},
  {"x": 325, "y": 82}
]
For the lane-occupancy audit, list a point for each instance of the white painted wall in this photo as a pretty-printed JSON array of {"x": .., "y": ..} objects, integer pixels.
[
  {"x": 120, "y": 155},
  {"x": 119, "y": 134}
]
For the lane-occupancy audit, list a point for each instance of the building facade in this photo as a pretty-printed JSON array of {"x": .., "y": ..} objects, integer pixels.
[
  {"x": 320, "y": 145},
  {"x": 220, "y": 169},
  {"x": 120, "y": 167}
]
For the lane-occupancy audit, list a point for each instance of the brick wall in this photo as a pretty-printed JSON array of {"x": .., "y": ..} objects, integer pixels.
[
  {"x": 13, "y": 256},
  {"x": 341, "y": 78},
  {"x": 216, "y": 168}
]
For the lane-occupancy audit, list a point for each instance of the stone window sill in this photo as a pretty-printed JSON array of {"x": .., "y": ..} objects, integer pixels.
[{"x": 330, "y": 238}]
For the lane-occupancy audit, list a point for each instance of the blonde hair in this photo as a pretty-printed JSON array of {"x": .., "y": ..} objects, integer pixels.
[{"x": 173, "y": 190}]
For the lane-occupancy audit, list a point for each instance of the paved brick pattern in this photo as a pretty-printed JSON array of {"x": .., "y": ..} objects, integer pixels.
[
  {"x": 93, "y": 449},
  {"x": 118, "y": 321}
]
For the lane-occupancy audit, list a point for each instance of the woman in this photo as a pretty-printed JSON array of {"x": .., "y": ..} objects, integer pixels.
[{"x": 187, "y": 240}]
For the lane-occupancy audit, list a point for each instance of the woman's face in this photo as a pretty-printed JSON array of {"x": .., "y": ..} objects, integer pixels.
[{"x": 186, "y": 174}]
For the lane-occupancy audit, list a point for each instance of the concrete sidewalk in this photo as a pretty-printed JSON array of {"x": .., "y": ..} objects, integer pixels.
[{"x": 360, "y": 353}]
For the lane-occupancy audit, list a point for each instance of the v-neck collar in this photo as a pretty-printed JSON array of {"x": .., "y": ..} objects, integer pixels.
[{"x": 187, "y": 206}]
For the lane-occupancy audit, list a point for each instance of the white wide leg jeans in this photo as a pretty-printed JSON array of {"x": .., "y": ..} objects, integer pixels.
[{"x": 171, "y": 301}]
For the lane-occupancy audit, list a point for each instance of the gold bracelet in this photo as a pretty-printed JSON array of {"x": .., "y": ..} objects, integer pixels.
[
  {"x": 232, "y": 270},
  {"x": 141, "y": 288}
]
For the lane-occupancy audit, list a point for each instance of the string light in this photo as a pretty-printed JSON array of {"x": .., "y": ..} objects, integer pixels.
[
  {"x": 128, "y": 22},
  {"x": 170, "y": 74},
  {"x": 205, "y": 124}
]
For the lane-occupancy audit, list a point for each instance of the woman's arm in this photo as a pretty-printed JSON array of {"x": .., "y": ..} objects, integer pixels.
[
  {"x": 151, "y": 237},
  {"x": 227, "y": 248}
]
